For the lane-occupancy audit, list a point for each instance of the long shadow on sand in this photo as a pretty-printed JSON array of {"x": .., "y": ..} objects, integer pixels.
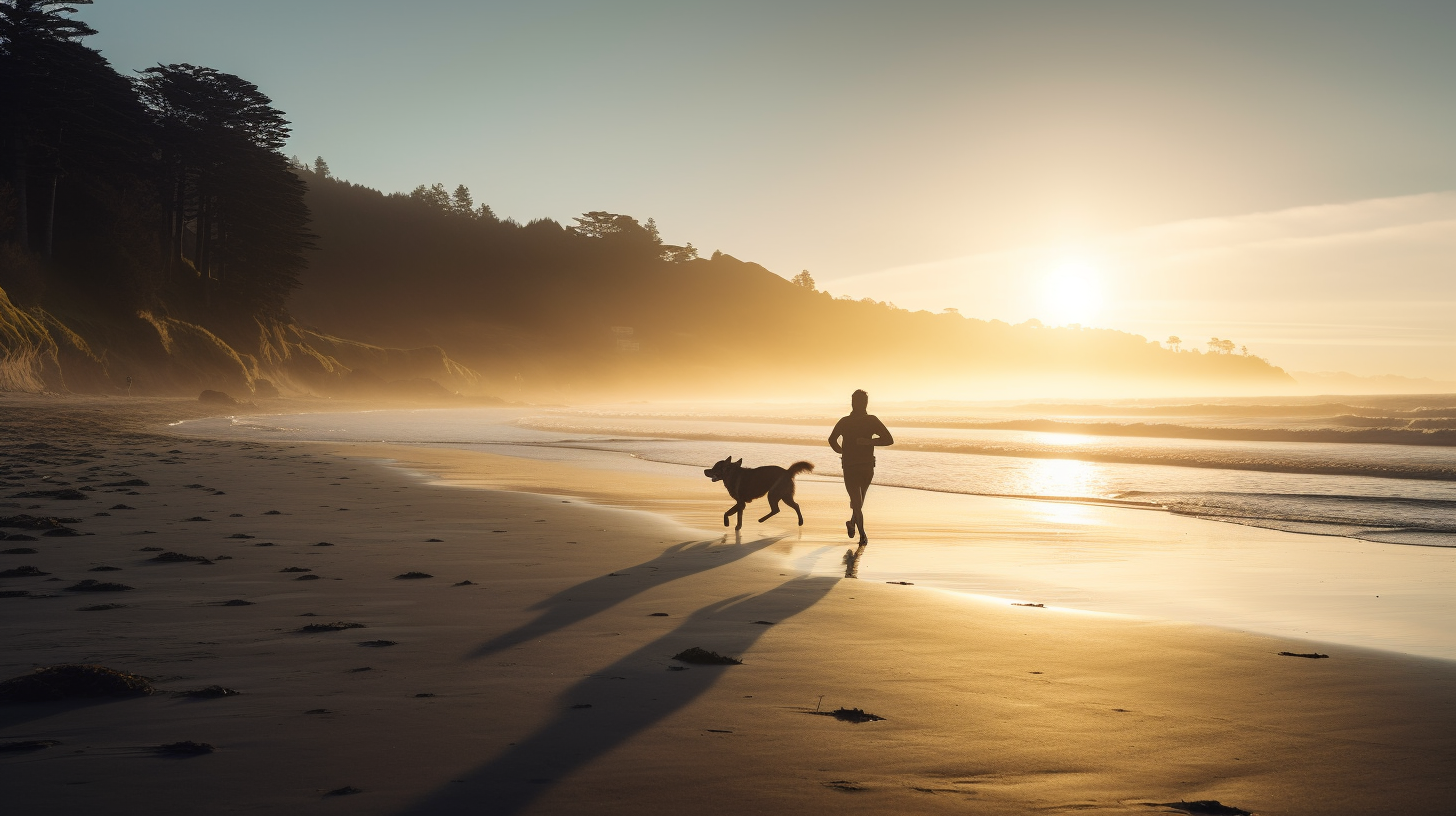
[
  {"x": 625, "y": 698},
  {"x": 588, "y": 598}
]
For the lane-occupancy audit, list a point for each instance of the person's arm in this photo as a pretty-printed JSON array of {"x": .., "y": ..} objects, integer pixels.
[
  {"x": 882, "y": 435},
  {"x": 834, "y": 437}
]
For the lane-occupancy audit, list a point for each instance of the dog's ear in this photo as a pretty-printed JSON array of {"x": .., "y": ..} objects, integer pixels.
[{"x": 739, "y": 463}]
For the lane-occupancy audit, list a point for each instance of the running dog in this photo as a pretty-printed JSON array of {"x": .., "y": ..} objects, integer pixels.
[{"x": 746, "y": 484}]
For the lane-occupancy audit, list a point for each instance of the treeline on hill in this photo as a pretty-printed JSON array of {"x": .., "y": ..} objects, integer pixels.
[
  {"x": 151, "y": 230},
  {"x": 604, "y": 306}
]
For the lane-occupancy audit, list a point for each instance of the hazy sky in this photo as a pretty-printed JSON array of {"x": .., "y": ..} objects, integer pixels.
[{"x": 1274, "y": 172}]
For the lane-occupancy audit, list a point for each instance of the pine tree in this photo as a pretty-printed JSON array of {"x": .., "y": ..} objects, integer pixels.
[{"x": 227, "y": 181}]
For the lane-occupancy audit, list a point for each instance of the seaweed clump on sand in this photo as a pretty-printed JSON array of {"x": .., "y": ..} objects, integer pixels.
[
  {"x": 92, "y": 585},
  {"x": 185, "y": 748},
  {"x": 209, "y": 692},
  {"x": 26, "y": 571},
  {"x": 72, "y": 681},
  {"x": 411, "y": 575},
  {"x": 1207, "y": 807},
  {"x": 27, "y": 745},
  {"x": 336, "y": 626},
  {"x": 853, "y": 715},
  {"x": 180, "y": 558},
  {"x": 705, "y": 657}
]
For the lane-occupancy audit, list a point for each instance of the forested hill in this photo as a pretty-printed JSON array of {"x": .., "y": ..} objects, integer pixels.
[
  {"x": 151, "y": 231},
  {"x": 603, "y": 307}
]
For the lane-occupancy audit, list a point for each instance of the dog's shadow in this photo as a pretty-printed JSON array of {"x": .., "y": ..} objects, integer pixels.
[{"x": 579, "y": 602}]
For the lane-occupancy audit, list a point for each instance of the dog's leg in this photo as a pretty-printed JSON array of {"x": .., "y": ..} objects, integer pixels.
[
  {"x": 790, "y": 502},
  {"x": 739, "y": 525},
  {"x": 773, "y": 509},
  {"x": 737, "y": 508}
]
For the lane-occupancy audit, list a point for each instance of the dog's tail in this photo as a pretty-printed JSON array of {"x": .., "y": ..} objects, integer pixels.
[{"x": 800, "y": 467}]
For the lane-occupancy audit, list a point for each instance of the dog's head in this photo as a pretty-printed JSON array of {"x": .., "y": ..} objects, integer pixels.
[{"x": 719, "y": 471}]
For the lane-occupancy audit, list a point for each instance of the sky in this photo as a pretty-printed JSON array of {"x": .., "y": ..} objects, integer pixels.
[{"x": 1278, "y": 174}]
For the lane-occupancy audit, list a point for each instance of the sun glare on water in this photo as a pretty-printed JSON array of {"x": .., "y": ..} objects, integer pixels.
[{"x": 1071, "y": 293}]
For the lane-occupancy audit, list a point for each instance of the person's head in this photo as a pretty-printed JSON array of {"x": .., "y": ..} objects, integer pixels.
[{"x": 859, "y": 400}]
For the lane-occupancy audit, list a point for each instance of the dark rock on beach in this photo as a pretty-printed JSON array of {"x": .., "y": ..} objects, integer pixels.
[
  {"x": 705, "y": 657},
  {"x": 72, "y": 681}
]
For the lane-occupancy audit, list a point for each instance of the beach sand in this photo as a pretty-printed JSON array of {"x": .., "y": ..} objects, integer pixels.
[{"x": 547, "y": 685}]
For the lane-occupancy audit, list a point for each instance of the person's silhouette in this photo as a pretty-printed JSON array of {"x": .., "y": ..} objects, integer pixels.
[{"x": 862, "y": 432}]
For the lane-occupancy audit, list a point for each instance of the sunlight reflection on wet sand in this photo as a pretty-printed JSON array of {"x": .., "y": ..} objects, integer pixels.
[{"x": 1062, "y": 554}]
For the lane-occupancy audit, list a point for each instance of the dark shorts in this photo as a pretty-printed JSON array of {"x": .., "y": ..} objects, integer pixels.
[{"x": 859, "y": 472}]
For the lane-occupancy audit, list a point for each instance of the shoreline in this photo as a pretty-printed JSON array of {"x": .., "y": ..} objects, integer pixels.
[
  {"x": 1370, "y": 594},
  {"x": 1363, "y": 508},
  {"x": 549, "y": 681}
]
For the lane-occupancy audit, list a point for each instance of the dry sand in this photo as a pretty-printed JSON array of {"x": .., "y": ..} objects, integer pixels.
[{"x": 550, "y": 683}]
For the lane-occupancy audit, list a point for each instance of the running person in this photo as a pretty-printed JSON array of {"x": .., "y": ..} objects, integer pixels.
[{"x": 862, "y": 432}]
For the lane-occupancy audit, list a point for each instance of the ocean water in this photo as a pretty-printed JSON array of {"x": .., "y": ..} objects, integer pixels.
[{"x": 1401, "y": 493}]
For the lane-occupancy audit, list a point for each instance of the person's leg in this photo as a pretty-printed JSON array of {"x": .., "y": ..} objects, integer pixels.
[
  {"x": 855, "y": 497},
  {"x": 858, "y": 484}
]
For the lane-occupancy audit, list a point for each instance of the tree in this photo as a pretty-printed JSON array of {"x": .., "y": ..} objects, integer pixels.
[
  {"x": 1217, "y": 346},
  {"x": 434, "y": 196},
  {"x": 604, "y": 225},
  {"x": 462, "y": 203},
  {"x": 227, "y": 183},
  {"x": 62, "y": 109},
  {"x": 679, "y": 254},
  {"x": 804, "y": 280},
  {"x": 321, "y": 167},
  {"x": 1174, "y": 341}
]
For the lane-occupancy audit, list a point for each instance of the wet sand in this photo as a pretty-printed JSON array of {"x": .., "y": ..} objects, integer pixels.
[{"x": 551, "y": 683}]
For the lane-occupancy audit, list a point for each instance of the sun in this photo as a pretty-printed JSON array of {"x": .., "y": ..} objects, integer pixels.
[{"x": 1071, "y": 293}]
